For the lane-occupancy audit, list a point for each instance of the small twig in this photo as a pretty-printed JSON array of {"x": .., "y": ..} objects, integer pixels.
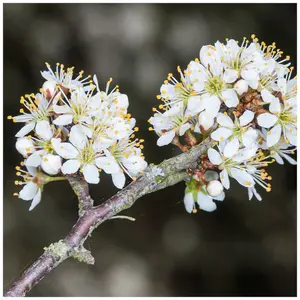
[{"x": 123, "y": 217}]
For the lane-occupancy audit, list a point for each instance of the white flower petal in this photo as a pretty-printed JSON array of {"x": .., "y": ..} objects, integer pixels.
[
  {"x": 230, "y": 98},
  {"x": 206, "y": 203},
  {"x": 278, "y": 158},
  {"x": 91, "y": 174},
  {"x": 249, "y": 137},
  {"x": 196, "y": 104},
  {"x": 205, "y": 120},
  {"x": 246, "y": 117},
  {"x": 273, "y": 135},
  {"x": 34, "y": 160},
  {"x": 241, "y": 87},
  {"x": 212, "y": 105},
  {"x": 220, "y": 197},
  {"x": 214, "y": 156},
  {"x": 70, "y": 166},
  {"x": 118, "y": 179},
  {"x": 224, "y": 120},
  {"x": 221, "y": 134},
  {"x": 275, "y": 106},
  {"x": 28, "y": 191},
  {"x": 78, "y": 137},
  {"x": 36, "y": 200},
  {"x": 267, "y": 96},
  {"x": 166, "y": 138},
  {"x": 63, "y": 120},
  {"x": 231, "y": 148},
  {"x": 242, "y": 177},
  {"x": 25, "y": 129},
  {"x": 43, "y": 129},
  {"x": 230, "y": 75},
  {"x": 289, "y": 159},
  {"x": 66, "y": 150},
  {"x": 183, "y": 128},
  {"x": 291, "y": 134},
  {"x": 189, "y": 203},
  {"x": 62, "y": 109},
  {"x": 225, "y": 179},
  {"x": 266, "y": 120},
  {"x": 109, "y": 165}
]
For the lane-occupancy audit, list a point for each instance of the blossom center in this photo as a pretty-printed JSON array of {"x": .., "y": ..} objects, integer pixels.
[{"x": 214, "y": 85}]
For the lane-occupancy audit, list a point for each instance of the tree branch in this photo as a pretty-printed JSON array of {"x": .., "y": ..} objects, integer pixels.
[{"x": 155, "y": 178}]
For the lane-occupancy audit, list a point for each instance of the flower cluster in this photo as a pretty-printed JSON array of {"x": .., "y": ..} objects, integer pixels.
[
  {"x": 243, "y": 97},
  {"x": 73, "y": 127}
]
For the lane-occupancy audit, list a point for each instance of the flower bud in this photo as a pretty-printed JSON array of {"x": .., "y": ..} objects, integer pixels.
[
  {"x": 51, "y": 164},
  {"x": 49, "y": 89},
  {"x": 214, "y": 188},
  {"x": 24, "y": 146},
  {"x": 241, "y": 87}
]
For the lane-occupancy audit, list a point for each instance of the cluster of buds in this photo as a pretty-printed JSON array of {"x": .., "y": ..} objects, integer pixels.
[
  {"x": 244, "y": 98},
  {"x": 73, "y": 127}
]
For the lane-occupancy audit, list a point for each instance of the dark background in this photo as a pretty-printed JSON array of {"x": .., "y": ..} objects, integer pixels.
[{"x": 243, "y": 248}]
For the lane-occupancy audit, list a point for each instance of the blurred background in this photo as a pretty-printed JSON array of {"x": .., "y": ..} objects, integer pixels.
[{"x": 242, "y": 249}]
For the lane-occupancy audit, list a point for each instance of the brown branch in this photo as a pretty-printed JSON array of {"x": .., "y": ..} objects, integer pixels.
[{"x": 155, "y": 178}]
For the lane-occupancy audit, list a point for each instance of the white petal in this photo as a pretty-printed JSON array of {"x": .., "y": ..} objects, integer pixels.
[
  {"x": 224, "y": 120},
  {"x": 266, "y": 120},
  {"x": 241, "y": 87},
  {"x": 66, "y": 150},
  {"x": 166, "y": 138},
  {"x": 273, "y": 135},
  {"x": 43, "y": 129},
  {"x": 246, "y": 117},
  {"x": 231, "y": 148},
  {"x": 275, "y": 106},
  {"x": 249, "y": 137},
  {"x": 78, "y": 137},
  {"x": 214, "y": 156},
  {"x": 212, "y": 105},
  {"x": 289, "y": 159},
  {"x": 70, "y": 166},
  {"x": 118, "y": 179},
  {"x": 183, "y": 128},
  {"x": 278, "y": 159},
  {"x": 36, "y": 200},
  {"x": 34, "y": 160},
  {"x": 267, "y": 96},
  {"x": 249, "y": 75},
  {"x": 220, "y": 198},
  {"x": 291, "y": 134},
  {"x": 189, "y": 202},
  {"x": 109, "y": 165},
  {"x": 242, "y": 177},
  {"x": 25, "y": 129},
  {"x": 196, "y": 104},
  {"x": 205, "y": 120},
  {"x": 62, "y": 109},
  {"x": 225, "y": 179},
  {"x": 230, "y": 75},
  {"x": 206, "y": 203},
  {"x": 63, "y": 120},
  {"x": 28, "y": 191},
  {"x": 91, "y": 174},
  {"x": 221, "y": 134},
  {"x": 230, "y": 98}
]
